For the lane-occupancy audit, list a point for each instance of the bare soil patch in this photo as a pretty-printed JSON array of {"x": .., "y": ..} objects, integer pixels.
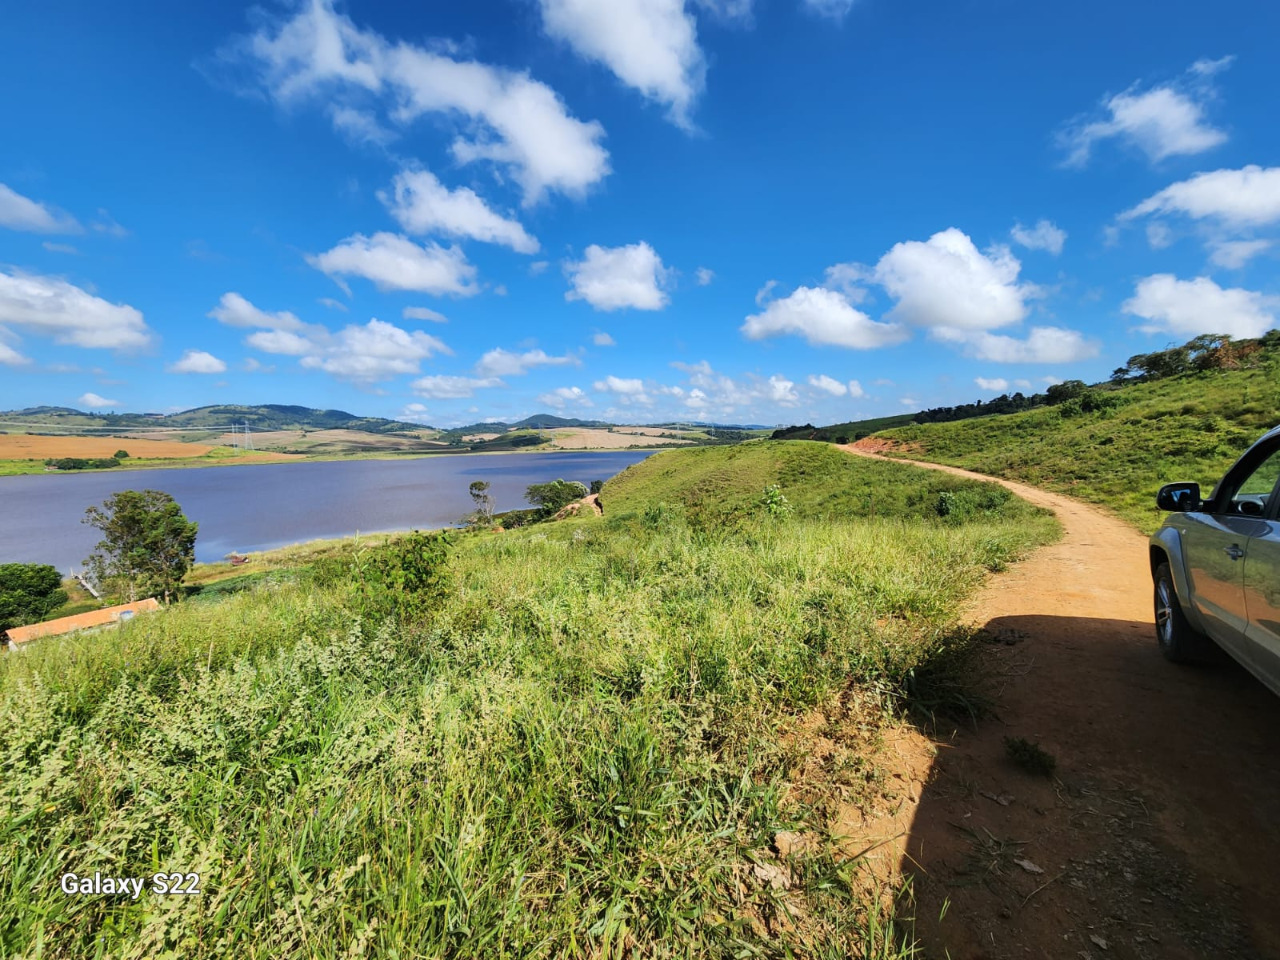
[
  {"x": 17, "y": 446},
  {"x": 1158, "y": 834}
]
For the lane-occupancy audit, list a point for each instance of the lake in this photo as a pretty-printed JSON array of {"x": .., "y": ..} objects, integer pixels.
[{"x": 271, "y": 505}]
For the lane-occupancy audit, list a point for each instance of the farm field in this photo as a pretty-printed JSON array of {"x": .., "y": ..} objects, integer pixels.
[
  {"x": 586, "y": 438},
  {"x": 339, "y": 442},
  {"x": 21, "y": 446}
]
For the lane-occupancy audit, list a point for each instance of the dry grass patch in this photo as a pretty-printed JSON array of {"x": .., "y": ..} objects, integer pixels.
[{"x": 21, "y": 446}]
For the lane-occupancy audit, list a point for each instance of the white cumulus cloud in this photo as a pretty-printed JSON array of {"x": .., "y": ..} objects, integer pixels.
[
  {"x": 421, "y": 204},
  {"x": 1164, "y": 121},
  {"x": 650, "y": 45},
  {"x": 95, "y": 402},
  {"x": 393, "y": 262},
  {"x": 423, "y": 313},
  {"x": 372, "y": 352},
  {"x": 1193, "y": 307},
  {"x": 198, "y": 361},
  {"x": 53, "y": 307},
  {"x": 1234, "y": 254},
  {"x": 624, "y": 385},
  {"x": 1043, "y": 236},
  {"x": 704, "y": 276},
  {"x": 22, "y": 213},
  {"x": 235, "y": 311},
  {"x": 562, "y": 397},
  {"x": 502, "y": 116},
  {"x": 992, "y": 384},
  {"x": 946, "y": 281},
  {"x": 614, "y": 278},
  {"x": 452, "y": 388},
  {"x": 11, "y": 357},
  {"x": 602, "y": 339},
  {"x": 505, "y": 363},
  {"x": 1248, "y": 197},
  {"x": 822, "y": 317},
  {"x": 1041, "y": 345},
  {"x": 821, "y": 381}
]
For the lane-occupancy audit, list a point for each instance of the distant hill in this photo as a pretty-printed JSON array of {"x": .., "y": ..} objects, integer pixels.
[{"x": 269, "y": 416}]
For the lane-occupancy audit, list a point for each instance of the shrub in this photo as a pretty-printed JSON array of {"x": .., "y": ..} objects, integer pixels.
[{"x": 404, "y": 578}]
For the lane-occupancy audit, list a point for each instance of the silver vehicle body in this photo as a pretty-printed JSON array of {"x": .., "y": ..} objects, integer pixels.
[{"x": 1224, "y": 557}]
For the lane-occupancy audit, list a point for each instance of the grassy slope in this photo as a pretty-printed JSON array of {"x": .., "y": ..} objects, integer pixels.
[
  {"x": 582, "y": 753},
  {"x": 1184, "y": 428}
]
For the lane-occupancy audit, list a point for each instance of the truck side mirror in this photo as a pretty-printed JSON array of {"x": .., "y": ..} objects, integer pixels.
[{"x": 1179, "y": 497}]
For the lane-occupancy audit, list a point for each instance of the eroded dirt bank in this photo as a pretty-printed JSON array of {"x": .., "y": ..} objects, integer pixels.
[{"x": 1158, "y": 835}]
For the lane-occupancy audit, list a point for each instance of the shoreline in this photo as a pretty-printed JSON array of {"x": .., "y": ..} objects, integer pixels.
[{"x": 288, "y": 458}]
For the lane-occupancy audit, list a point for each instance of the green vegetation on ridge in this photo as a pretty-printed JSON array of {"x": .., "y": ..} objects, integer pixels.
[
  {"x": 1186, "y": 427},
  {"x": 584, "y": 747}
]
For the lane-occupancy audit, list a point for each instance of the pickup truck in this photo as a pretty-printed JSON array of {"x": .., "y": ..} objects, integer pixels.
[{"x": 1215, "y": 563}]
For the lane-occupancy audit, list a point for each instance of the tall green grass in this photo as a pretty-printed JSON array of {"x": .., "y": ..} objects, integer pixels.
[
  {"x": 583, "y": 751},
  {"x": 1191, "y": 427}
]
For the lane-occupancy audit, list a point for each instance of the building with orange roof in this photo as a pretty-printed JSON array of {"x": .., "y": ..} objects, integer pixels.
[{"x": 94, "y": 619}]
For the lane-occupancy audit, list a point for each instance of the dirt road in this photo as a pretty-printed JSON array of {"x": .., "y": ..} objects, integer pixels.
[{"x": 1158, "y": 835}]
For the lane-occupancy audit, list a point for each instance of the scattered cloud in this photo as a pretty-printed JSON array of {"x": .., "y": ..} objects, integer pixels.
[
  {"x": 1193, "y": 307},
  {"x": 414, "y": 413},
  {"x": 10, "y": 357},
  {"x": 704, "y": 276},
  {"x": 1164, "y": 121},
  {"x": 1159, "y": 236},
  {"x": 1042, "y": 345},
  {"x": 198, "y": 361},
  {"x": 1043, "y": 236},
  {"x": 848, "y": 278},
  {"x": 373, "y": 352},
  {"x": 95, "y": 402},
  {"x": 107, "y": 224},
  {"x": 945, "y": 282},
  {"x": 737, "y": 12},
  {"x": 562, "y": 397},
  {"x": 53, "y": 307},
  {"x": 615, "y": 278},
  {"x": 332, "y": 304},
  {"x": 421, "y": 204},
  {"x": 650, "y": 45},
  {"x": 1248, "y": 197},
  {"x": 60, "y": 248},
  {"x": 832, "y": 9},
  {"x": 602, "y": 339},
  {"x": 992, "y": 384},
  {"x": 781, "y": 391},
  {"x": 22, "y": 213},
  {"x": 235, "y": 311},
  {"x": 1234, "y": 254},
  {"x": 359, "y": 353},
  {"x": 836, "y": 388},
  {"x": 502, "y": 116},
  {"x": 254, "y": 365},
  {"x": 504, "y": 363},
  {"x": 822, "y": 317},
  {"x": 423, "y": 313},
  {"x": 394, "y": 262},
  {"x": 452, "y": 388},
  {"x": 538, "y": 267}
]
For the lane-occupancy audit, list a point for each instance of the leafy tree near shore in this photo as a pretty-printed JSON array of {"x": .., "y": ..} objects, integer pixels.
[
  {"x": 29, "y": 592},
  {"x": 554, "y": 496},
  {"x": 147, "y": 547}
]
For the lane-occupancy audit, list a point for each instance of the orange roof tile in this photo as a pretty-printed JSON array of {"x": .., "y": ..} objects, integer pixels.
[{"x": 81, "y": 621}]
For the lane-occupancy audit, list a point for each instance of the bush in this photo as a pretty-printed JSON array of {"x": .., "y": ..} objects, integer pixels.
[
  {"x": 404, "y": 578},
  {"x": 121, "y": 454}
]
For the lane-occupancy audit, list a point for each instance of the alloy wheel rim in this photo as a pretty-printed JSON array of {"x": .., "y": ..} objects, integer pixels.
[{"x": 1164, "y": 612}]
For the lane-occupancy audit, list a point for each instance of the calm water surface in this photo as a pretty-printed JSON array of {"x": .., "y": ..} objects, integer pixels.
[{"x": 259, "y": 507}]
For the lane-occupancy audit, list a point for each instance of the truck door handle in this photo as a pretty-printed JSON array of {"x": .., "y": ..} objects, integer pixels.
[{"x": 1233, "y": 551}]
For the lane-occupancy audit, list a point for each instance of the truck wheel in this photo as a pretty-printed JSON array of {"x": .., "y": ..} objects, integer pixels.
[{"x": 1178, "y": 640}]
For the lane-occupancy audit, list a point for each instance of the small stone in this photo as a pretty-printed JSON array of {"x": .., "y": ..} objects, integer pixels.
[{"x": 1098, "y": 942}]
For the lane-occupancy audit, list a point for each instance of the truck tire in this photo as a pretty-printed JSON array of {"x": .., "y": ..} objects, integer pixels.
[{"x": 1179, "y": 641}]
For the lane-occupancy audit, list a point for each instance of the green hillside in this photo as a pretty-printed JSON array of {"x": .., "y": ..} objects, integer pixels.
[
  {"x": 585, "y": 745},
  {"x": 1187, "y": 427}
]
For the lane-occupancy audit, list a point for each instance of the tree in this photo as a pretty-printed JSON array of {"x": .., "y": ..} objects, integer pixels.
[
  {"x": 29, "y": 592},
  {"x": 483, "y": 513},
  {"x": 147, "y": 545},
  {"x": 121, "y": 454},
  {"x": 554, "y": 496},
  {"x": 597, "y": 486}
]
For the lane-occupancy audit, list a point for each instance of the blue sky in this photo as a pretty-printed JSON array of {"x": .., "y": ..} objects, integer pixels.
[{"x": 764, "y": 211}]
